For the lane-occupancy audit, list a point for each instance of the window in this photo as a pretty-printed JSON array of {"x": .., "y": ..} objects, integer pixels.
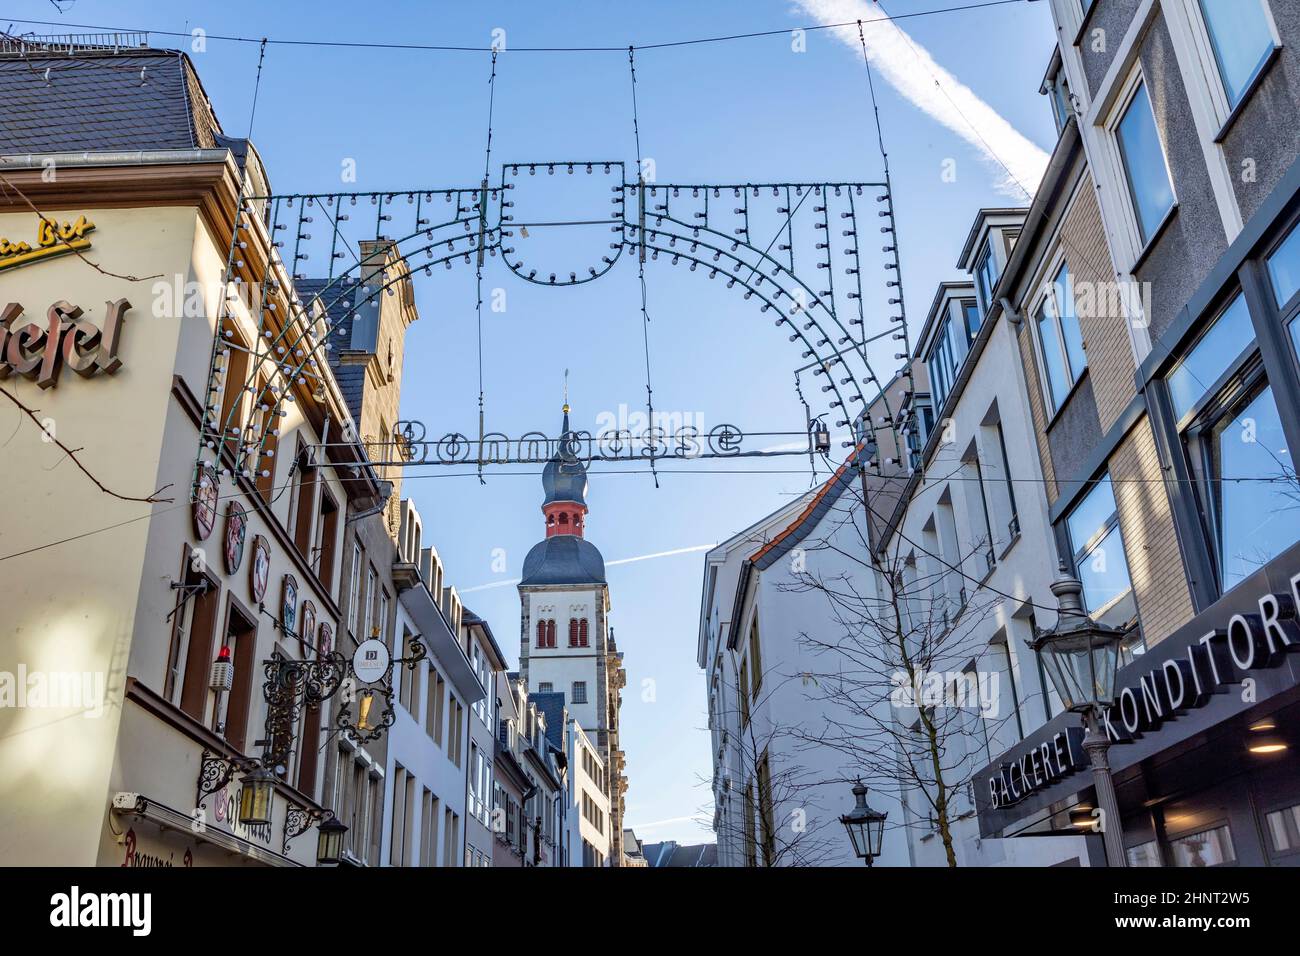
[
  {"x": 428, "y": 829},
  {"x": 573, "y": 632},
  {"x": 951, "y": 345},
  {"x": 579, "y": 691},
  {"x": 190, "y": 658},
  {"x": 1058, "y": 88},
  {"x": 766, "y": 811},
  {"x": 309, "y": 749},
  {"x": 1144, "y": 854},
  {"x": 546, "y": 633},
  {"x": 751, "y": 843},
  {"x": 987, "y": 274},
  {"x": 1284, "y": 269},
  {"x": 1207, "y": 848},
  {"x": 370, "y": 598},
  {"x": 1242, "y": 39},
  {"x": 755, "y": 656},
  {"x": 265, "y": 432},
  {"x": 582, "y": 633},
  {"x": 1252, "y": 489},
  {"x": 327, "y": 527},
  {"x": 435, "y": 708},
  {"x": 1014, "y": 522},
  {"x": 1060, "y": 339},
  {"x": 241, "y": 638},
  {"x": 355, "y": 596},
  {"x": 1236, "y": 450},
  {"x": 744, "y": 693},
  {"x": 982, "y": 503},
  {"x": 1284, "y": 829},
  {"x": 450, "y": 837},
  {"x": 970, "y": 311},
  {"x": 456, "y": 730},
  {"x": 1098, "y": 549},
  {"x": 381, "y": 622},
  {"x": 1218, "y": 349},
  {"x": 304, "y": 502},
  {"x": 545, "y": 687},
  {"x": 1143, "y": 157}
]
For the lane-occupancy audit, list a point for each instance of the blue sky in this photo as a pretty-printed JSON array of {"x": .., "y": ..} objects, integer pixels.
[{"x": 743, "y": 111}]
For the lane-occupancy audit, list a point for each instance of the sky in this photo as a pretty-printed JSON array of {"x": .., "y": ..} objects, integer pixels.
[{"x": 963, "y": 124}]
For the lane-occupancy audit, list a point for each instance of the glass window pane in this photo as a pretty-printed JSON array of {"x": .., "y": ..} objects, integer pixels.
[
  {"x": 1070, "y": 324},
  {"x": 1212, "y": 355},
  {"x": 1145, "y": 854},
  {"x": 973, "y": 318},
  {"x": 1284, "y": 268},
  {"x": 1144, "y": 163},
  {"x": 1241, "y": 39},
  {"x": 986, "y": 277},
  {"x": 1284, "y": 829},
  {"x": 1058, "y": 379},
  {"x": 1091, "y": 514},
  {"x": 1103, "y": 570},
  {"x": 1258, "y": 498},
  {"x": 1209, "y": 848}
]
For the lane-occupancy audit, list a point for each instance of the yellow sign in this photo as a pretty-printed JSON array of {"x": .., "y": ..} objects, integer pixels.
[{"x": 52, "y": 239}]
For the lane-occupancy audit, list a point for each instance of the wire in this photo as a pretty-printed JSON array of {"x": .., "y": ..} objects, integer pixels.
[
  {"x": 640, "y": 264},
  {"x": 482, "y": 239},
  {"x": 448, "y": 48}
]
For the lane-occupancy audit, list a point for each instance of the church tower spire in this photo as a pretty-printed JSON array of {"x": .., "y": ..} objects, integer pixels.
[{"x": 564, "y": 485}]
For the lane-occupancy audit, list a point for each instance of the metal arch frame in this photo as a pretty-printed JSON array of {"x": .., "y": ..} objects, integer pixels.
[{"x": 488, "y": 239}]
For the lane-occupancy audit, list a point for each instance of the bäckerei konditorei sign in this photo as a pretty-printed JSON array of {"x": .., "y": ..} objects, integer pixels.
[
  {"x": 40, "y": 350},
  {"x": 1222, "y": 655}
]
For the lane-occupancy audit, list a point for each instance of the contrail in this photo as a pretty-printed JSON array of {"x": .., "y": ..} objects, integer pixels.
[
  {"x": 662, "y": 554},
  {"x": 608, "y": 564},
  {"x": 908, "y": 68}
]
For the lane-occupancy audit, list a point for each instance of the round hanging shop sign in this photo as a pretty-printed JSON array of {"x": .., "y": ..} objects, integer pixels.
[
  {"x": 236, "y": 533},
  {"x": 370, "y": 662},
  {"x": 204, "y": 505},
  {"x": 259, "y": 570}
]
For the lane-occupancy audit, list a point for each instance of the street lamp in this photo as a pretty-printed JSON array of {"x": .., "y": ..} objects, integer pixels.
[
  {"x": 256, "y": 797},
  {"x": 329, "y": 841},
  {"x": 1082, "y": 657},
  {"x": 866, "y": 826}
]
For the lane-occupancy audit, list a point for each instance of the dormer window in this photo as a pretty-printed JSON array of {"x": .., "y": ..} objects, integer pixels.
[{"x": 988, "y": 269}]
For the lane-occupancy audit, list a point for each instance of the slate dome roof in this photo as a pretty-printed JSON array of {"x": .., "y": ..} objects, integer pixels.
[
  {"x": 564, "y": 559},
  {"x": 564, "y": 480}
]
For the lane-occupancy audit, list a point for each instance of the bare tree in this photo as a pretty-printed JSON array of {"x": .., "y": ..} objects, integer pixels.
[{"x": 905, "y": 697}]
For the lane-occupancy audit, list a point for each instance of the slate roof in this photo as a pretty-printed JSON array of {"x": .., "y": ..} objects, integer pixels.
[
  {"x": 142, "y": 100},
  {"x": 799, "y": 529},
  {"x": 673, "y": 854},
  {"x": 563, "y": 559},
  {"x": 337, "y": 297},
  {"x": 552, "y": 707}
]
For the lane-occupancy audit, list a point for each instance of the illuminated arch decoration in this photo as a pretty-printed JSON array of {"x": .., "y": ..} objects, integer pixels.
[{"x": 709, "y": 228}]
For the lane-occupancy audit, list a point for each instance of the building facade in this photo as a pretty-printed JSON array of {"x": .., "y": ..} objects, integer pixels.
[
  {"x": 566, "y": 642},
  {"x": 1169, "y": 468}
]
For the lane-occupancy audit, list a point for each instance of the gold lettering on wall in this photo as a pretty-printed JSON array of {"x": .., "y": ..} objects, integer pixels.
[{"x": 52, "y": 239}]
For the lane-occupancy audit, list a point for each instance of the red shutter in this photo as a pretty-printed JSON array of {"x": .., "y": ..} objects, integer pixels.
[
  {"x": 573, "y": 632},
  {"x": 550, "y": 633},
  {"x": 582, "y": 633},
  {"x": 541, "y": 633}
]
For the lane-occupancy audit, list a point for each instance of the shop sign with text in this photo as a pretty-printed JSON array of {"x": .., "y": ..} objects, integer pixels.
[{"x": 41, "y": 350}]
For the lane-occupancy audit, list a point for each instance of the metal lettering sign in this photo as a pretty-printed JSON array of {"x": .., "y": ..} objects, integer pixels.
[{"x": 408, "y": 445}]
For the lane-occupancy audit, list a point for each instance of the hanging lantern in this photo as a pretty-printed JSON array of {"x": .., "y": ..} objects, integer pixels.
[
  {"x": 256, "y": 797},
  {"x": 329, "y": 841}
]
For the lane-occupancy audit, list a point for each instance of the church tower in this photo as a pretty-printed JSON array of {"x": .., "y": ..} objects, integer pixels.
[{"x": 566, "y": 645}]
